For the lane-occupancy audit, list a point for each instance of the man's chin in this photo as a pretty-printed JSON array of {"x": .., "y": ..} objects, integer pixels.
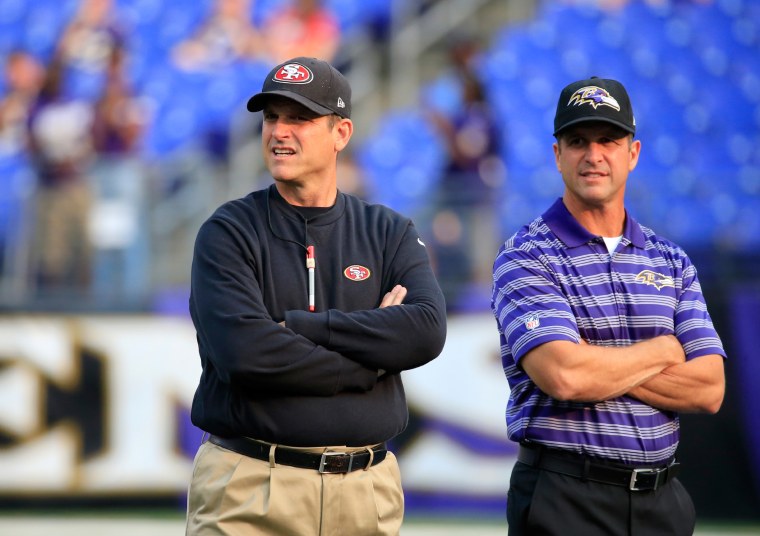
[{"x": 282, "y": 177}]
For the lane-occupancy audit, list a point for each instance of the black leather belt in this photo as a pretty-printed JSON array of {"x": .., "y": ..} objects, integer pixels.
[
  {"x": 584, "y": 467},
  {"x": 326, "y": 462}
]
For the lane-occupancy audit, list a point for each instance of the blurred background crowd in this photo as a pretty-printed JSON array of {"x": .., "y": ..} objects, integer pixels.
[{"x": 122, "y": 125}]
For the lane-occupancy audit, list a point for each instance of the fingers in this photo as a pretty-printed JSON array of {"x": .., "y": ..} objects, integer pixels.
[{"x": 394, "y": 297}]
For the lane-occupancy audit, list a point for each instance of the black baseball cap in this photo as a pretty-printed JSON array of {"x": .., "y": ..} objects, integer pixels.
[
  {"x": 311, "y": 82},
  {"x": 594, "y": 99}
]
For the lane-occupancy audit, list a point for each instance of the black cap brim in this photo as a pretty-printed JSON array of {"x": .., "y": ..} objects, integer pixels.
[
  {"x": 258, "y": 101},
  {"x": 599, "y": 119}
]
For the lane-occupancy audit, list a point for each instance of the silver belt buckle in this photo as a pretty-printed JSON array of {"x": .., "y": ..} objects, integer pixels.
[
  {"x": 329, "y": 454},
  {"x": 633, "y": 484}
]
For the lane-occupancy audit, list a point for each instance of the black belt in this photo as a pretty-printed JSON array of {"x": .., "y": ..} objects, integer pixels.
[
  {"x": 326, "y": 462},
  {"x": 584, "y": 467}
]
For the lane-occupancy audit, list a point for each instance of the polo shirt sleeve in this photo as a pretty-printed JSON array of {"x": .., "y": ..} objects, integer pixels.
[
  {"x": 693, "y": 325},
  {"x": 528, "y": 303}
]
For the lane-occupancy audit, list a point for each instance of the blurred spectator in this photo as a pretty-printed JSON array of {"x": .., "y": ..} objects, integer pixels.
[
  {"x": 119, "y": 226},
  {"x": 86, "y": 45},
  {"x": 60, "y": 151},
  {"x": 91, "y": 36},
  {"x": 306, "y": 28},
  {"x": 227, "y": 35},
  {"x": 23, "y": 78},
  {"x": 465, "y": 225}
]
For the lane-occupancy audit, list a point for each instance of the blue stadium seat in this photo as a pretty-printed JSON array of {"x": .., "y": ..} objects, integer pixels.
[
  {"x": 746, "y": 231},
  {"x": 84, "y": 85},
  {"x": 518, "y": 207},
  {"x": 713, "y": 24},
  {"x": 173, "y": 128},
  {"x": 42, "y": 28},
  {"x": 263, "y": 9},
  {"x": 349, "y": 13},
  {"x": 752, "y": 12},
  {"x": 748, "y": 181},
  {"x": 679, "y": 224},
  {"x": 177, "y": 22},
  {"x": 12, "y": 13},
  {"x": 503, "y": 60},
  {"x": 582, "y": 19},
  {"x": 403, "y": 161},
  {"x": 505, "y": 99},
  {"x": 443, "y": 95},
  {"x": 529, "y": 146},
  {"x": 250, "y": 76},
  {"x": 731, "y": 109}
]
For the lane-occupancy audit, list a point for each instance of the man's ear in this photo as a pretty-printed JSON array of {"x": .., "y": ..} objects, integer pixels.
[
  {"x": 343, "y": 131},
  {"x": 635, "y": 152}
]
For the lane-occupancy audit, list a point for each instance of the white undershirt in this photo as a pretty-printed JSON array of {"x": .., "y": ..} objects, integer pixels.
[{"x": 612, "y": 242}]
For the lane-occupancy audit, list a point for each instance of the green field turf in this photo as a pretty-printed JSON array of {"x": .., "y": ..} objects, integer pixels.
[{"x": 173, "y": 525}]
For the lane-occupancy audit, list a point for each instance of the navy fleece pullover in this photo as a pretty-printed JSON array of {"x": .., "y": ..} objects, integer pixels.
[{"x": 314, "y": 381}]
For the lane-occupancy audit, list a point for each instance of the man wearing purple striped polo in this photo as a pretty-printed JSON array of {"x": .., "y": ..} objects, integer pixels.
[{"x": 605, "y": 338}]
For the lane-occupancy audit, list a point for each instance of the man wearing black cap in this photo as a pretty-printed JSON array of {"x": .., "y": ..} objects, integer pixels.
[
  {"x": 308, "y": 304},
  {"x": 605, "y": 337}
]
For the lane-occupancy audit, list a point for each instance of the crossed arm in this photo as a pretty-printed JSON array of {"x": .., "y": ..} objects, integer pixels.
[
  {"x": 694, "y": 386},
  {"x": 654, "y": 371},
  {"x": 393, "y": 297}
]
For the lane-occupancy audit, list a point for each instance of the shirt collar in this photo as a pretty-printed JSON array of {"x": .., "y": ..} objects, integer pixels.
[
  {"x": 573, "y": 234},
  {"x": 327, "y": 217}
]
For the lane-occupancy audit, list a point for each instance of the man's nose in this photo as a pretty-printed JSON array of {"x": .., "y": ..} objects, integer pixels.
[
  {"x": 279, "y": 128},
  {"x": 594, "y": 151}
]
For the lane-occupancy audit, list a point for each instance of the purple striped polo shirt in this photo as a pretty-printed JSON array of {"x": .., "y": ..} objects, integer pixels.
[{"x": 553, "y": 280}]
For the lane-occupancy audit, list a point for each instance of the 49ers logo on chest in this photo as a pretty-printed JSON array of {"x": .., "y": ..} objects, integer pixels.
[{"x": 356, "y": 272}]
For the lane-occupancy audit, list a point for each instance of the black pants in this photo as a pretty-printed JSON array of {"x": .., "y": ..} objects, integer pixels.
[{"x": 544, "y": 503}]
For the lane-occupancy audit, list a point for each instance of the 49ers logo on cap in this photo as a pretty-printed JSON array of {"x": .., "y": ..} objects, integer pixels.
[
  {"x": 293, "y": 73},
  {"x": 356, "y": 272}
]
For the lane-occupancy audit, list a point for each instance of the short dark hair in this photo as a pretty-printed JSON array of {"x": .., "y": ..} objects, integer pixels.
[{"x": 332, "y": 119}]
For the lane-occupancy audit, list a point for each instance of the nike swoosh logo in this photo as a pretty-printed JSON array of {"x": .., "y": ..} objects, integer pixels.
[{"x": 421, "y": 242}]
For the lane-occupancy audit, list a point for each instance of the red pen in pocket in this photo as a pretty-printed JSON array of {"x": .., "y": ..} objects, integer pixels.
[{"x": 311, "y": 264}]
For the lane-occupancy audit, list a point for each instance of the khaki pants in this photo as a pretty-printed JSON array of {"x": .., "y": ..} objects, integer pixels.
[{"x": 232, "y": 494}]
